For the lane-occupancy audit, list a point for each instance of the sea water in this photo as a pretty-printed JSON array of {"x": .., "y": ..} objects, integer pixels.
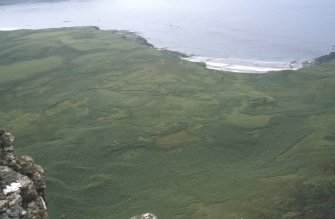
[{"x": 235, "y": 35}]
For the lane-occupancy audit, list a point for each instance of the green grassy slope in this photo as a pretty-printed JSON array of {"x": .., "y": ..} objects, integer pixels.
[{"x": 122, "y": 129}]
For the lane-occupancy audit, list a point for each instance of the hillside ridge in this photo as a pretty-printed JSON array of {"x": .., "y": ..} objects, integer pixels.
[{"x": 123, "y": 128}]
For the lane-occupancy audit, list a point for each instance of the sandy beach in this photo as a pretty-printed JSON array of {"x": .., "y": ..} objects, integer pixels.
[
  {"x": 243, "y": 66},
  {"x": 8, "y": 28}
]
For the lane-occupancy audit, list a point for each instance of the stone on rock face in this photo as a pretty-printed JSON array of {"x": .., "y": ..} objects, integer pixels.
[
  {"x": 145, "y": 216},
  {"x": 19, "y": 196},
  {"x": 22, "y": 184},
  {"x": 29, "y": 168},
  {"x": 6, "y": 140}
]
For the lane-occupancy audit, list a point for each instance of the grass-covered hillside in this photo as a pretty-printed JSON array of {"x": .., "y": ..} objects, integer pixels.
[{"x": 122, "y": 129}]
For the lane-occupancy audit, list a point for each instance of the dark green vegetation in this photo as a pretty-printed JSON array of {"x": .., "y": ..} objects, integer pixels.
[{"x": 123, "y": 129}]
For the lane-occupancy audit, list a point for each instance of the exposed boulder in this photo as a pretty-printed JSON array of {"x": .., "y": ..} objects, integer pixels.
[
  {"x": 145, "y": 216},
  {"x": 22, "y": 184}
]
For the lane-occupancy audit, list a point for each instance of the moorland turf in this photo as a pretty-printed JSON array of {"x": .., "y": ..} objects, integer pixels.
[{"x": 122, "y": 129}]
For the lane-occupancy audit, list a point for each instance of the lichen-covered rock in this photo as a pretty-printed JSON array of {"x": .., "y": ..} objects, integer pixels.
[
  {"x": 19, "y": 197},
  {"x": 22, "y": 184},
  {"x": 145, "y": 216},
  {"x": 26, "y": 166},
  {"x": 6, "y": 139}
]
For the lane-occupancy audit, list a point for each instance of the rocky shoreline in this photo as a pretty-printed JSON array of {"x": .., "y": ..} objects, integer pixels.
[
  {"x": 223, "y": 66},
  {"x": 320, "y": 60},
  {"x": 136, "y": 37}
]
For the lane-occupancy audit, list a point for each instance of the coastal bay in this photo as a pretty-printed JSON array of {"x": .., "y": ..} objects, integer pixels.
[{"x": 230, "y": 35}]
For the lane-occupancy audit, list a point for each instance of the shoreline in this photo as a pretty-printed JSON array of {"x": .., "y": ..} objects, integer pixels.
[
  {"x": 233, "y": 65},
  {"x": 244, "y": 65}
]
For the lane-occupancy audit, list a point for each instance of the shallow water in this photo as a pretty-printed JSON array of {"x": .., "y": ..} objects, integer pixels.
[{"x": 237, "y": 33}]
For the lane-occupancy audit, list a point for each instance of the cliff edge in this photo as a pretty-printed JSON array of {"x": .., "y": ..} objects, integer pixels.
[{"x": 22, "y": 184}]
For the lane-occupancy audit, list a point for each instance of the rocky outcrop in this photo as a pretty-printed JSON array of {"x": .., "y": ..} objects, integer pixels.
[
  {"x": 145, "y": 216},
  {"x": 22, "y": 184},
  {"x": 320, "y": 60}
]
